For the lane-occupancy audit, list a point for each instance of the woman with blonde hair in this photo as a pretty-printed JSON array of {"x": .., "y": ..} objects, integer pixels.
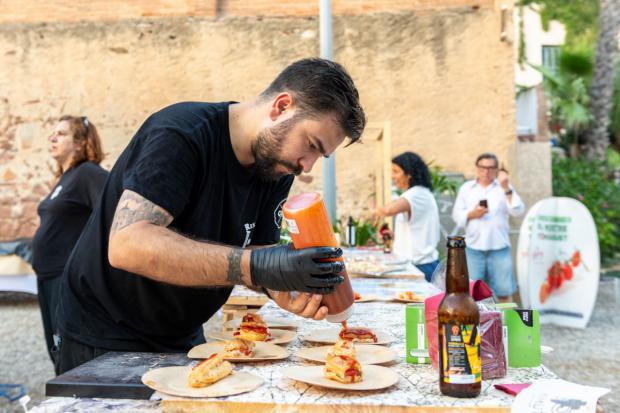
[{"x": 76, "y": 147}]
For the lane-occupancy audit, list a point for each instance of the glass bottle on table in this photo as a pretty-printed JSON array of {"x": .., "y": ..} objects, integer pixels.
[
  {"x": 351, "y": 232},
  {"x": 460, "y": 365},
  {"x": 386, "y": 237}
]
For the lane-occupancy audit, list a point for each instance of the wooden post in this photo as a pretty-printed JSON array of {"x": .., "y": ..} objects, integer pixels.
[{"x": 387, "y": 162}]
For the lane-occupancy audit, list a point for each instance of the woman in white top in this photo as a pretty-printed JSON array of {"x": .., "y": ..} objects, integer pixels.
[{"x": 416, "y": 226}]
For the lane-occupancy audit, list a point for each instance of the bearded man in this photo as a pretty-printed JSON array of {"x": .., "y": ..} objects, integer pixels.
[{"x": 186, "y": 207}]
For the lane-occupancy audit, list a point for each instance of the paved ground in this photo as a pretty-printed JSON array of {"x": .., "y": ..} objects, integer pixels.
[{"x": 590, "y": 356}]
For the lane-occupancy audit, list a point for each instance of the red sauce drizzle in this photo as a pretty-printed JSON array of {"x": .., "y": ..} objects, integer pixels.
[{"x": 204, "y": 361}]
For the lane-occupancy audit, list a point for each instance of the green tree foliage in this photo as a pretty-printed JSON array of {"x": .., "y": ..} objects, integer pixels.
[
  {"x": 590, "y": 183},
  {"x": 580, "y": 17},
  {"x": 442, "y": 184},
  {"x": 568, "y": 95}
]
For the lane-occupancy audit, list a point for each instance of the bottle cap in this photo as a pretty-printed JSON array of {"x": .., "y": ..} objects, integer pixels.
[
  {"x": 456, "y": 242},
  {"x": 340, "y": 317}
]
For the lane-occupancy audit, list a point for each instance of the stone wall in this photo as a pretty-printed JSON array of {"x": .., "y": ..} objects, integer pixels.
[
  {"x": 441, "y": 76},
  {"x": 36, "y": 11}
]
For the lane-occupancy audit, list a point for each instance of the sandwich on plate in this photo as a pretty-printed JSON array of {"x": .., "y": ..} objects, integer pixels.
[
  {"x": 342, "y": 364},
  {"x": 253, "y": 328},
  {"x": 239, "y": 347},
  {"x": 209, "y": 371}
]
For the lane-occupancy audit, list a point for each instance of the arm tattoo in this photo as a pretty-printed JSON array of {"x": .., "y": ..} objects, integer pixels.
[
  {"x": 133, "y": 207},
  {"x": 234, "y": 266}
]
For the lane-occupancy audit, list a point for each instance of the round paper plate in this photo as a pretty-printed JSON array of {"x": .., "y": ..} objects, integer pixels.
[
  {"x": 330, "y": 336},
  {"x": 272, "y": 322},
  {"x": 375, "y": 378},
  {"x": 277, "y": 336},
  {"x": 366, "y": 298},
  {"x": 366, "y": 354},
  {"x": 173, "y": 381},
  {"x": 262, "y": 352}
]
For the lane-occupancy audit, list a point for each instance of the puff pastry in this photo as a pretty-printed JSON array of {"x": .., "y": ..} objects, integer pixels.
[
  {"x": 239, "y": 347},
  {"x": 209, "y": 371},
  {"x": 358, "y": 335},
  {"x": 253, "y": 328},
  {"x": 342, "y": 364}
]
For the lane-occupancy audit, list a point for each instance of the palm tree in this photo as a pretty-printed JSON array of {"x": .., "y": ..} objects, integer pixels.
[
  {"x": 602, "y": 87},
  {"x": 567, "y": 92}
]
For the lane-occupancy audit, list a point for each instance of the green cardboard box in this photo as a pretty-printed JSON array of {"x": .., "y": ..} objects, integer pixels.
[
  {"x": 503, "y": 307},
  {"x": 415, "y": 330},
  {"x": 521, "y": 337}
]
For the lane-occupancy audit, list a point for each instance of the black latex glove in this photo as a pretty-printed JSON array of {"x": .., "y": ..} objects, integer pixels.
[{"x": 282, "y": 268}]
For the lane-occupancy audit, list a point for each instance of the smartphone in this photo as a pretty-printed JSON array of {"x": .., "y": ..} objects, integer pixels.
[{"x": 483, "y": 203}]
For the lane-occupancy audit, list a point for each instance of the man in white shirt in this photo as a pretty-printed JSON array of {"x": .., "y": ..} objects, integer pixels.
[{"x": 482, "y": 208}]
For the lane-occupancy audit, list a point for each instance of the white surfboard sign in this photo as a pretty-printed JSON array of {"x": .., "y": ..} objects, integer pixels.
[{"x": 558, "y": 262}]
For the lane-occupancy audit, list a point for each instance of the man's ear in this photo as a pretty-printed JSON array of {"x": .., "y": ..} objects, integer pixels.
[{"x": 280, "y": 104}]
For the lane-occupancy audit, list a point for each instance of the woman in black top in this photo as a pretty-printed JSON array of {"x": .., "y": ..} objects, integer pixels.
[{"x": 76, "y": 148}]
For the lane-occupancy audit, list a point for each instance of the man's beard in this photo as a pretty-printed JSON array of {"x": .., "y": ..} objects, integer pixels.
[{"x": 267, "y": 149}]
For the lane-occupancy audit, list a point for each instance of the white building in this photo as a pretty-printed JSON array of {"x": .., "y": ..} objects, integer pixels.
[{"x": 541, "y": 48}]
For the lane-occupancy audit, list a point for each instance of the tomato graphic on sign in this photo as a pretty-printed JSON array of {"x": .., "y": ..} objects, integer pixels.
[{"x": 558, "y": 274}]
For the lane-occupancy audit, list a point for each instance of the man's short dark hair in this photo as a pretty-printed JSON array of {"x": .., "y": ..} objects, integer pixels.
[
  {"x": 322, "y": 87},
  {"x": 488, "y": 155}
]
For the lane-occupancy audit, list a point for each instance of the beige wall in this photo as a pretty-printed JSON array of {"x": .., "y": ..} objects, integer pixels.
[
  {"x": 441, "y": 77},
  {"x": 31, "y": 11}
]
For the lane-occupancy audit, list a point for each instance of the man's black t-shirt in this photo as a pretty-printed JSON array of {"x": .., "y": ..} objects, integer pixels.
[
  {"x": 63, "y": 214},
  {"x": 181, "y": 159}
]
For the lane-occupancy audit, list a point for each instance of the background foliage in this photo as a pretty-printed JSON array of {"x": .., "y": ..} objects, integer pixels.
[{"x": 590, "y": 183}]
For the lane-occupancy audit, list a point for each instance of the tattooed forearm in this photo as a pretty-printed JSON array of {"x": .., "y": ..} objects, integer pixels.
[
  {"x": 133, "y": 207},
  {"x": 234, "y": 266}
]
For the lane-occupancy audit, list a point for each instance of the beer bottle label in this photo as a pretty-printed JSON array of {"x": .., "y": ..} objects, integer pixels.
[{"x": 461, "y": 353}]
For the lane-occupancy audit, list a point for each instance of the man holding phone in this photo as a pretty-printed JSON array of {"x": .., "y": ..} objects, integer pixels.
[{"x": 482, "y": 208}]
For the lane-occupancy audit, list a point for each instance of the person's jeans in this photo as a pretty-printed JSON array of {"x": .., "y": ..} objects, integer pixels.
[
  {"x": 428, "y": 269},
  {"x": 21, "y": 247},
  {"x": 494, "y": 266}
]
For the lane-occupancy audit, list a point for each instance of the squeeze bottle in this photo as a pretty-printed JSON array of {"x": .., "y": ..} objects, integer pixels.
[{"x": 309, "y": 226}]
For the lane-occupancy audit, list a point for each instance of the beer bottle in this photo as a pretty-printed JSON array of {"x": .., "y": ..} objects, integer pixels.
[{"x": 460, "y": 366}]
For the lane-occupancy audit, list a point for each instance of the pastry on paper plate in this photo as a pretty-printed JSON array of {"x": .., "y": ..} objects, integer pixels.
[
  {"x": 344, "y": 348},
  {"x": 342, "y": 364},
  {"x": 411, "y": 296},
  {"x": 239, "y": 347},
  {"x": 358, "y": 335},
  {"x": 209, "y": 371},
  {"x": 253, "y": 328}
]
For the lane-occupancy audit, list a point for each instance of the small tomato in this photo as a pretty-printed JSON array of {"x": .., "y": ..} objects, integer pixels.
[
  {"x": 567, "y": 272},
  {"x": 545, "y": 289},
  {"x": 576, "y": 259}
]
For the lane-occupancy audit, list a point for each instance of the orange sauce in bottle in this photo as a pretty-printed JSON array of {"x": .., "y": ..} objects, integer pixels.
[{"x": 309, "y": 226}]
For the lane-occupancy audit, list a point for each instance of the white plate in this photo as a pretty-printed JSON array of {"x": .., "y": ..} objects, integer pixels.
[
  {"x": 277, "y": 336},
  {"x": 173, "y": 381},
  {"x": 262, "y": 352},
  {"x": 375, "y": 378},
  {"x": 272, "y": 322},
  {"x": 330, "y": 336},
  {"x": 366, "y": 354}
]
